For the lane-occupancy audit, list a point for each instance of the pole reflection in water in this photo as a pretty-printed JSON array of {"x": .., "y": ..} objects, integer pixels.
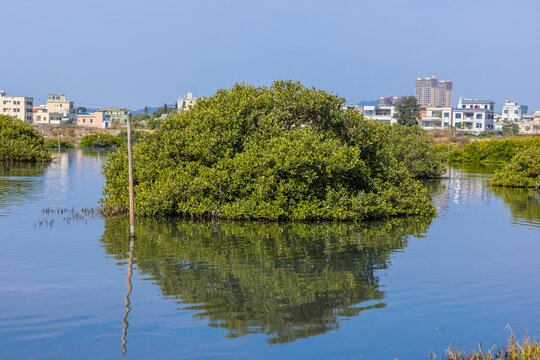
[{"x": 128, "y": 302}]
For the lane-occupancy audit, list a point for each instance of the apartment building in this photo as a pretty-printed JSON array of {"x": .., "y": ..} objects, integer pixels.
[
  {"x": 186, "y": 103},
  {"x": 384, "y": 114},
  {"x": 513, "y": 112},
  {"x": 57, "y": 103},
  {"x": 474, "y": 115},
  {"x": 118, "y": 115},
  {"x": 433, "y": 92},
  {"x": 530, "y": 126},
  {"x": 19, "y": 107},
  {"x": 432, "y": 118},
  {"x": 390, "y": 100},
  {"x": 41, "y": 117},
  {"x": 98, "y": 119}
]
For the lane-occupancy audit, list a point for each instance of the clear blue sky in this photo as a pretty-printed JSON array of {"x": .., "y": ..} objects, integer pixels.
[{"x": 133, "y": 52}]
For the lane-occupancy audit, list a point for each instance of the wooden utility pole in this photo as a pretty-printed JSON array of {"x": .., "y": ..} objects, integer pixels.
[{"x": 131, "y": 197}]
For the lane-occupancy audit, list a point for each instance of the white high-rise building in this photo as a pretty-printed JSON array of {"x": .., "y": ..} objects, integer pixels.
[
  {"x": 511, "y": 111},
  {"x": 434, "y": 92},
  {"x": 20, "y": 107}
]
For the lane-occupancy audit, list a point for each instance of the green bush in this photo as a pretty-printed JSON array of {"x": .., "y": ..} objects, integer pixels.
[
  {"x": 136, "y": 136},
  {"x": 522, "y": 171},
  {"x": 413, "y": 147},
  {"x": 495, "y": 150},
  {"x": 19, "y": 141},
  {"x": 283, "y": 152},
  {"x": 100, "y": 140},
  {"x": 53, "y": 143}
]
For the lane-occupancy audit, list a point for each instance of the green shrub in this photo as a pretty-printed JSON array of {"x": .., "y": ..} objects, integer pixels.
[
  {"x": 100, "y": 140},
  {"x": 19, "y": 141},
  {"x": 136, "y": 136},
  {"x": 495, "y": 150},
  {"x": 283, "y": 152},
  {"x": 413, "y": 147},
  {"x": 53, "y": 143},
  {"x": 522, "y": 171}
]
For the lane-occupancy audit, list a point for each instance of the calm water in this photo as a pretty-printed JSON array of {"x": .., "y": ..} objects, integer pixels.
[{"x": 397, "y": 289}]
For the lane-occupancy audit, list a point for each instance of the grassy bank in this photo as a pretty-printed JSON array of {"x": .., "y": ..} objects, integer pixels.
[{"x": 524, "y": 349}]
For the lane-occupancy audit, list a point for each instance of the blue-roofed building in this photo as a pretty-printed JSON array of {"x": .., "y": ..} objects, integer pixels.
[{"x": 474, "y": 115}]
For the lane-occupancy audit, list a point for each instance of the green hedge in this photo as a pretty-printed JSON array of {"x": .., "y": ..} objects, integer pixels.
[
  {"x": 522, "y": 171},
  {"x": 53, "y": 143},
  {"x": 19, "y": 141},
  {"x": 100, "y": 140},
  {"x": 494, "y": 150},
  {"x": 279, "y": 152}
]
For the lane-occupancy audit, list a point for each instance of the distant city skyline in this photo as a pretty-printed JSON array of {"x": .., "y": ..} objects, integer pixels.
[{"x": 121, "y": 53}]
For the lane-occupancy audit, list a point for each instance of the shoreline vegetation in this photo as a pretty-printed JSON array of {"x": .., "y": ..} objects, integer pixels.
[
  {"x": 524, "y": 349},
  {"x": 20, "y": 141},
  {"x": 520, "y": 158},
  {"x": 284, "y": 152}
]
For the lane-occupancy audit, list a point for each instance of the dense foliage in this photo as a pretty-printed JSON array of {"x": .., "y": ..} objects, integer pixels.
[
  {"x": 495, "y": 150},
  {"x": 522, "y": 171},
  {"x": 287, "y": 281},
  {"x": 19, "y": 141},
  {"x": 417, "y": 151},
  {"x": 283, "y": 152},
  {"x": 136, "y": 136},
  {"x": 100, "y": 140},
  {"x": 53, "y": 143}
]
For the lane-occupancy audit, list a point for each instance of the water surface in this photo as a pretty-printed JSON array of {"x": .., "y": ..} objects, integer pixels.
[{"x": 394, "y": 289}]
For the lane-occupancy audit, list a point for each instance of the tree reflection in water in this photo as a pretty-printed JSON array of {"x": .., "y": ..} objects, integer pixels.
[
  {"x": 288, "y": 281},
  {"x": 524, "y": 204}
]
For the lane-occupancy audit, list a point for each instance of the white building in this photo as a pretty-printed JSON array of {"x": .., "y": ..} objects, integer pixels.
[
  {"x": 358, "y": 108},
  {"x": 19, "y": 107},
  {"x": 436, "y": 118},
  {"x": 186, "y": 103},
  {"x": 513, "y": 112},
  {"x": 384, "y": 114},
  {"x": 474, "y": 115}
]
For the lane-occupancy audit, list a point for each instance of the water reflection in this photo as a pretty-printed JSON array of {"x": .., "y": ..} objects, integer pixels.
[
  {"x": 524, "y": 204},
  {"x": 21, "y": 182},
  {"x": 127, "y": 303},
  {"x": 288, "y": 281}
]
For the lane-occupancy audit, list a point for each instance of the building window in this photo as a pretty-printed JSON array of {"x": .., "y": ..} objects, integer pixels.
[
  {"x": 458, "y": 116},
  {"x": 485, "y": 106},
  {"x": 478, "y": 125},
  {"x": 479, "y": 116},
  {"x": 446, "y": 115},
  {"x": 91, "y": 120}
]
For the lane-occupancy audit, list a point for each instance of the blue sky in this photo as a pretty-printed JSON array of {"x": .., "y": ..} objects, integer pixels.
[{"x": 133, "y": 53}]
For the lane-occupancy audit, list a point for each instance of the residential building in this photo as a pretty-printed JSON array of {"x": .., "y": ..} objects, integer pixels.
[
  {"x": 511, "y": 111},
  {"x": 98, "y": 119},
  {"x": 118, "y": 115},
  {"x": 474, "y": 115},
  {"x": 19, "y": 107},
  {"x": 530, "y": 127},
  {"x": 41, "y": 117},
  {"x": 57, "y": 103},
  {"x": 384, "y": 114},
  {"x": 434, "y": 92},
  {"x": 186, "y": 103},
  {"x": 432, "y": 118},
  {"x": 390, "y": 100}
]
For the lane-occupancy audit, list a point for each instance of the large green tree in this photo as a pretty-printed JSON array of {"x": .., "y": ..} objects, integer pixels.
[
  {"x": 407, "y": 111},
  {"x": 279, "y": 152},
  {"x": 20, "y": 141}
]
